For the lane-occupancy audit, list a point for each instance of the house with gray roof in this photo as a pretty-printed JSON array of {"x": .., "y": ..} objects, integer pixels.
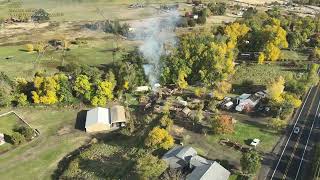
[
  {"x": 212, "y": 171},
  {"x": 181, "y": 157}
]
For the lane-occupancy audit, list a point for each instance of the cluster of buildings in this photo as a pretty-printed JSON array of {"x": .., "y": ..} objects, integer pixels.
[
  {"x": 186, "y": 159},
  {"x": 244, "y": 101}
]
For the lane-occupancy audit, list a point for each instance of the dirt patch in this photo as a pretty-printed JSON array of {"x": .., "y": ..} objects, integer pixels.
[{"x": 64, "y": 130}]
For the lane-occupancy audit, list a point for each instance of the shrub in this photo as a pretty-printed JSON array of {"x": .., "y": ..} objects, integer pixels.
[
  {"x": 277, "y": 124},
  {"x": 27, "y": 132},
  {"x": 222, "y": 125},
  {"x": 166, "y": 122},
  {"x": 40, "y": 15},
  {"x": 29, "y": 47},
  {"x": 22, "y": 99},
  {"x": 191, "y": 22},
  {"x": 17, "y": 138}
]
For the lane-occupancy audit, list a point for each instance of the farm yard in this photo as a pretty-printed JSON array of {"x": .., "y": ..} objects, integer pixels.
[
  {"x": 38, "y": 159},
  {"x": 222, "y": 77}
]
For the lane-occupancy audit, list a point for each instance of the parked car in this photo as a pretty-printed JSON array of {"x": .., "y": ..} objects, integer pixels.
[
  {"x": 296, "y": 130},
  {"x": 255, "y": 142}
]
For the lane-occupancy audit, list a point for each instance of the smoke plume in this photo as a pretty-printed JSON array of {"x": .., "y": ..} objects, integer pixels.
[{"x": 155, "y": 34}]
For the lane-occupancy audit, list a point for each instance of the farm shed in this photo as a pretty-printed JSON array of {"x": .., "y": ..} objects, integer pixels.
[
  {"x": 98, "y": 119},
  {"x": 2, "y": 141},
  {"x": 118, "y": 117},
  {"x": 101, "y": 119}
]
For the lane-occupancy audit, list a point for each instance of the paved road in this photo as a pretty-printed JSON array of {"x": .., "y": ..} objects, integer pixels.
[{"x": 291, "y": 159}]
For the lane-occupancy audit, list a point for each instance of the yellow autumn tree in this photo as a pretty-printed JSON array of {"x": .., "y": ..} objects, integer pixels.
[
  {"x": 45, "y": 90},
  {"x": 275, "y": 89},
  {"x": 277, "y": 39},
  {"x": 222, "y": 89},
  {"x": 181, "y": 82},
  {"x": 104, "y": 93},
  {"x": 159, "y": 138},
  {"x": 261, "y": 58},
  {"x": 235, "y": 31}
]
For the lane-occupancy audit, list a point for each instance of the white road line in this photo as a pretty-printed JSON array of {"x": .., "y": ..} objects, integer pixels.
[
  {"x": 305, "y": 148},
  {"x": 285, "y": 147}
]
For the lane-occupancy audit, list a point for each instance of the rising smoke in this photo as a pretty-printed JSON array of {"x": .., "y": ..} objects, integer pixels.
[{"x": 156, "y": 34}]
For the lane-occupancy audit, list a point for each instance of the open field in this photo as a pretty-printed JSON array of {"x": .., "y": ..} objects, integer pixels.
[
  {"x": 87, "y": 9},
  {"x": 260, "y": 74},
  {"x": 95, "y": 53},
  {"x": 38, "y": 158}
]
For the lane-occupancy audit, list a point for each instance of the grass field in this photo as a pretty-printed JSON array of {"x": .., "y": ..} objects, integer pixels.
[
  {"x": 293, "y": 55},
  {"x": 96, "y": 52},
  {"x": 260, "y": 74},
  {"x": 38, "y": 158},
  {"x": 87, "y": 9}
]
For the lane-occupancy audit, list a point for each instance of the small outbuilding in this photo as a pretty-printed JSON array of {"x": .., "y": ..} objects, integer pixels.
[
  {"x": 2, "y": 141},
  {"x": 98, "y": 119}
]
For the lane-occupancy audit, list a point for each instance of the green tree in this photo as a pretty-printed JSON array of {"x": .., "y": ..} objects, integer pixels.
[
  {"x": 40, "y": 16},
  {"x": 166, "y": 122},
  {"x": 250, "y": 162},
  {"x": 22, "y": 99},
  {"x": 150, "y": 167}
]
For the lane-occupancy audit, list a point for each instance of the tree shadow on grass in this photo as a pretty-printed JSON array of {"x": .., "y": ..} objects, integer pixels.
[{"x": 81, "y": 120}]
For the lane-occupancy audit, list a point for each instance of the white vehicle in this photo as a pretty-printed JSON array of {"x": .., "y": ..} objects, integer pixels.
[
  {"x": 255, "y": 142},
  {"x": 296, "y": 130}
]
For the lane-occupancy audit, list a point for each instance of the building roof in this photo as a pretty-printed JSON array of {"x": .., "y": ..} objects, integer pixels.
[
  {"x": 209, "y": 172},
  {"x": 179, "y": 156},
  {"x": 117, "y": 114},
  {"x": 196, "y": 161},
  {"x": 97, "y": 115},
  {"x": 2, "y": 141},
  {"x": 244, "y": 96}
]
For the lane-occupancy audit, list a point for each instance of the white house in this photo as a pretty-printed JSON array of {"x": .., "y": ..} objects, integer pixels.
[{"x": 247, "y": 101}]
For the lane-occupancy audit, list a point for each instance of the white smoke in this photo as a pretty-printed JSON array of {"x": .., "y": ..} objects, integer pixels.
[{"x": 155, "y": 34}]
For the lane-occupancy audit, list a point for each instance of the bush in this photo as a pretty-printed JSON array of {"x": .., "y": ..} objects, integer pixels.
[
  {"x": 40, "y": 15},
  {"x": 217, "y": 8},
  {"x": 27, "y": 132},
  {"x": 29, "y": 47},
  {"x": 21, "y": 99},
  {"x": 17, "y": 138},
  {"x": 277, "y": 124},
  {"x": 191, "y": 22}
]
